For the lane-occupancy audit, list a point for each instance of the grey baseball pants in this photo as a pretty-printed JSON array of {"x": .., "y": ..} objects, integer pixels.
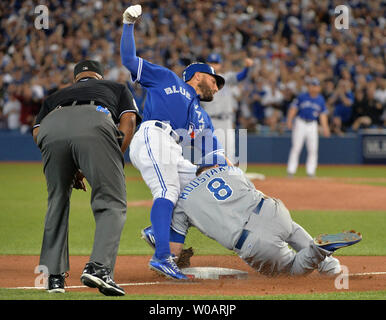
[
  {"x": 266, "y": 247},
  {"x": 72, "y": 138}
]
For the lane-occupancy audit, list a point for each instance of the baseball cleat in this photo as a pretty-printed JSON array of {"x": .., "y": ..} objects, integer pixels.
[
  {"x": 98, "y": 276},
  {"x": 56, "y": 283},
  {"x": 167, "y": 267},
  {"x": 148, "y": 236},
  {"x": 332, "y": 242}
]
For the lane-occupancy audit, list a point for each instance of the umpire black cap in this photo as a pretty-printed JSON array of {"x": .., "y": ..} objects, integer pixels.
[{"x": 88, "y": 66}]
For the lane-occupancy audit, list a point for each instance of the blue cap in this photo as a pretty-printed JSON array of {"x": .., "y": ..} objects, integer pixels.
[
  {"x": 314, "y": 82},
  {"x": 214, "y": 58},
  {"x": 213, "y": 159},
  {"x": 191, "y": 69}
]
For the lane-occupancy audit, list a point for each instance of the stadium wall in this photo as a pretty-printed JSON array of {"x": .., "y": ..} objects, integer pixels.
[{"x": 352, "y": 149}]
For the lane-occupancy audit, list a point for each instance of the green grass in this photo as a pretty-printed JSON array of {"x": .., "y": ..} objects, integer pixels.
[
  {"x": 23, "y": 201},
  {"x": 17, "y": 294}
]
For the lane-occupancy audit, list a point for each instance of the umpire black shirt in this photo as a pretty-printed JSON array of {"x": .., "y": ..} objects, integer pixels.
[{"x": 114, "y": 96}]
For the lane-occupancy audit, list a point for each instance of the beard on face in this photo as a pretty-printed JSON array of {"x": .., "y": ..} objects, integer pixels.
[{"x": 206, "y": 92}]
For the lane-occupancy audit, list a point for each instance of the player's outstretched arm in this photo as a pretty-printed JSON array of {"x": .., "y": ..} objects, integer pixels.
[{"x": 128, "y": 52}]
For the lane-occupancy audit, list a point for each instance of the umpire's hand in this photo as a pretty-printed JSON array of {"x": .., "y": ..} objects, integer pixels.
[
  {"x": 78, "y": 181},
  {"x": 132, "y": 13}
]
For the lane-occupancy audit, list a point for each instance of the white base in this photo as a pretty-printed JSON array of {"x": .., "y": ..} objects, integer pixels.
[
  {"x": 255, "y": 176},
  {"x": 214, "y": 273}
]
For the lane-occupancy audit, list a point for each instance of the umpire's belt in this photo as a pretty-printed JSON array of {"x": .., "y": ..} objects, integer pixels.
[
  {"x": 81, "y": 102},
  {"x": 245, "y": 232},
  {"x": 165, "y": 127}
]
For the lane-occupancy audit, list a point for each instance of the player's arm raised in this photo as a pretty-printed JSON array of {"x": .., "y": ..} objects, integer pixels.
[{"x": 128, "y": 51}]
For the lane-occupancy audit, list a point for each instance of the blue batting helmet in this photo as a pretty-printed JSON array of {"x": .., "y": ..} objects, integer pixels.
[{"x": 191, "y": 69}]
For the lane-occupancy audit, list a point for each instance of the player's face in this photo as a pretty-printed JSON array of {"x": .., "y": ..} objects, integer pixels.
[
  {"x": 208, "y": 87},
  {"x": 314, "y": 90}
]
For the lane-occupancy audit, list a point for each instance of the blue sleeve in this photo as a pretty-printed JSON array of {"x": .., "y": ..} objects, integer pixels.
[
  {"x": 128, "y": 52},
  {"x": 243, "y": 74},
  {"x": 176, "y": 237}
]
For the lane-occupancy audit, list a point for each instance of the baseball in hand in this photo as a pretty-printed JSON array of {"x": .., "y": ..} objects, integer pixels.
[{"x": 132, "y": 13}]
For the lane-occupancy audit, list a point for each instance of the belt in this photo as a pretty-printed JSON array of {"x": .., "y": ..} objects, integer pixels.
[
  {"x": 245, "y": 232},
  {"x": 81, "y": 102},
  {"x": 307, "y": 120},
  {"x": 172, "y": 133}
]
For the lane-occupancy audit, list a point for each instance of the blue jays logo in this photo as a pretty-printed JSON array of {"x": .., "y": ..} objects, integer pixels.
[{"x": 191, "y": 131}]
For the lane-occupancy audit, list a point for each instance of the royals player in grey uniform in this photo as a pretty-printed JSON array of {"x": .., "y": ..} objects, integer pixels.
[{"x": 224, "y": 205}]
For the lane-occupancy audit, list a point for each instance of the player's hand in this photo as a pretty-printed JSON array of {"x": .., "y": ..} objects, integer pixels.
[
  {"x": 248, "y": 62},
  {"x": 132, "y": 13}
]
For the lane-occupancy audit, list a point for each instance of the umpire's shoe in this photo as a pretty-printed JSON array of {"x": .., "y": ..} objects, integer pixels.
[
  {"x": 96, "y": 275},
  {"x": 167, "y": 267},
  {"x": 148, "y": 236},
  {"x": 332, "y": 242},
  {"x": 56, "y": 283}
]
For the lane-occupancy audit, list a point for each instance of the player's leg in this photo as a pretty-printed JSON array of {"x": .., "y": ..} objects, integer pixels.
[
  {"x": 101, "y": 161},
  {"x": 297, "y": 141},
  {"x": 156, "y": 156},
  {"x": 312, "y": 143},
  {"x": 270, "y": 254},
  {"x": 299, "y": 239},
  {"x": 59, "y": 170}
]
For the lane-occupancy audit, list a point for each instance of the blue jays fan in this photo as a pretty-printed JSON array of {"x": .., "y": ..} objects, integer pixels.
[
  {"x": 172, "y": 105},
  {"x": 307, "y": 108}
]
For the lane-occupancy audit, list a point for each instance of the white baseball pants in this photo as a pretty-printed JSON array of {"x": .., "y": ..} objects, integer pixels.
[
  {"x": 304, "y": 132},
  {"x": 158, "y": 157}
]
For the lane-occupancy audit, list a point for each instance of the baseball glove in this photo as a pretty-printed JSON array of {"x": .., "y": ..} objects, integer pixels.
[
  {"x": 78, "y": 182},
  {"x": 183, "y": 260}
]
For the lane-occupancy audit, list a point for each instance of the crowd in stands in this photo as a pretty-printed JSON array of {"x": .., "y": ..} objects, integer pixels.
[{"x": 289, "y": 41}]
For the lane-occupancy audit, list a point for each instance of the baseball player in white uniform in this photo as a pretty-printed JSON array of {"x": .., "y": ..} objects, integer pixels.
[
  {"x": 306, "y": 109},
  {"x": 225, "y": 206},
  {"x": 223, "y": 107},
  {"x": 172, "y": 111}
]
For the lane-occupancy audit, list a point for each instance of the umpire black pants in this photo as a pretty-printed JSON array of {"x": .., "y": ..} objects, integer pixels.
[{"x": 72, "y": 138}]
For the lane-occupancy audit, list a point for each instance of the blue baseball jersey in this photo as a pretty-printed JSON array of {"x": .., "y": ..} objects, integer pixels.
[
  {"x": 171, "y": 100},
  {"x": 309, "y": 108}
]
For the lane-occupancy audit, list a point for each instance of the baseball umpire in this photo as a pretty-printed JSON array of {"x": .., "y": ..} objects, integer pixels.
[
  {"x": 225, "y": 206},
  {"x": 83, "y": 131},
  {"x": 172, "y": 105}
]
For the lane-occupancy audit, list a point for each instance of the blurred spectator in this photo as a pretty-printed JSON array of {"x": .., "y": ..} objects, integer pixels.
[
  {"x": 12, "y": 109},
  {"x": 30, "y": 106},
  {"x": 342, "y": 100},
  {"x": 272, "y": 101},
  {"x": 287, "y": 40}
]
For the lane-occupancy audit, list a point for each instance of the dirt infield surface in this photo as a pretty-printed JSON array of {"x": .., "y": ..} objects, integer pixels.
[{"x": 134, "y": 276}]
